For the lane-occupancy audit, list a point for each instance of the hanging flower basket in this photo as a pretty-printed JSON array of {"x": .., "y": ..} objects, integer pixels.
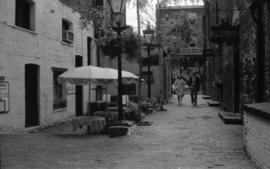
[{"x": 128, "y": 44}]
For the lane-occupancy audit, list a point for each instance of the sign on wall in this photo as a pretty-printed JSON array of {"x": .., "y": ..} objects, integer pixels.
[
  {"x": 4, "y": 97},
  {"x": 71, "y": 89}
]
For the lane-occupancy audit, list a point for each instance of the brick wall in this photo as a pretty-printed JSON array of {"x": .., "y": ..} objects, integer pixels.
[
  {"x": 256, "y": 124},
  {"x": 257, "y": 139},
  {"x": 43, "y": 47},
  {"x": 266, "y": 21},
  {"x": 247, "y": 49}
]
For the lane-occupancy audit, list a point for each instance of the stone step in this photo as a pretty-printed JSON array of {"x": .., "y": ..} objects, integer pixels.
[
  {"x": 123, "y": 123},
  {"x": 206, "y": 97},
  {"x": 116, "y": 131},
  {"x": 121, "y": 128},
  {"x": 231, "y": 118},
  {"x": 213, "y": 103},
  {"x": 144, "y": 123}
]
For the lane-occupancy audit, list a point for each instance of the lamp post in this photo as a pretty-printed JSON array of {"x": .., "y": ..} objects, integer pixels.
[
  {"x": 118, "y": 10},
  {"x": 149, "y": 36}
]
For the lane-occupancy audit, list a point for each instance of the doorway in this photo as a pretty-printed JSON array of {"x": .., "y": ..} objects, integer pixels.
[
  {"x": 79, "y": 89},
  {"x": 31, "y": 95}
]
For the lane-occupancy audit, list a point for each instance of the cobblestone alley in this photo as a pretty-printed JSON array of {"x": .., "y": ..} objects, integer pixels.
[{"x": 184, "y": 137}]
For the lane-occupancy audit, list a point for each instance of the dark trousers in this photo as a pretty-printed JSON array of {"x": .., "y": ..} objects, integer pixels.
[{"x": 193, "y": 94}]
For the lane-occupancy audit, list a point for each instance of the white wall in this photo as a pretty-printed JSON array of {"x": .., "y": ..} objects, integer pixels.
[{"x": 45, "y": 48}]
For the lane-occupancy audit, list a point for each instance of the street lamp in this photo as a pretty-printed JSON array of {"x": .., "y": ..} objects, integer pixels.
[
  {"x": 149, "y": 36},
  {"x": 118, "y": 10}
]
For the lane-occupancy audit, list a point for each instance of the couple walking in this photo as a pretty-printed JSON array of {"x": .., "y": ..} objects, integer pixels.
[{"x": 194, "y": 85}]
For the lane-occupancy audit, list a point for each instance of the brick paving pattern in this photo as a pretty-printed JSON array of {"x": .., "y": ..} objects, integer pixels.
[{"x": 184, "y": 137}]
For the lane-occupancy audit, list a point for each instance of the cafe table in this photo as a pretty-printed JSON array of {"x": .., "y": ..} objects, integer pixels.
[{"x": 95, "y": 124}]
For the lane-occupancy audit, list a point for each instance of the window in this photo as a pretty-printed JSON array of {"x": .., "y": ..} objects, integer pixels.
[
  {"x": 166, "y": 17},
  {"x": 98, "y": 55},
  {"x": 145, "y": 76},
  {"x": 99, "y": 90},
  {"x": 25, "y": 14},
  {"x": 192, "y": 21},
  {"x": 129, "y": 89},
  {"x": 89, "y": 47},
  {"x": 98, "y": 3},
  {"x": 192, "y": 17},
  {"x": 192, "y": 43},
  {"x": 67, "y": 31},
  {"x": 59, "y": 90}
]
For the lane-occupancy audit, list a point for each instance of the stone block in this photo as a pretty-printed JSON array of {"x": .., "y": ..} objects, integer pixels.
[{"x": 115, "y": 131}]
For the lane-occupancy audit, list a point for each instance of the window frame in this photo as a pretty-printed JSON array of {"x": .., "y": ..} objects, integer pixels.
[
  {"x": 144, "y": 75},
  {"x": 31, "y": 12},
  {"x": 89, "y": 50},
  {"x": 69, "y": 31},
  {"x": 59, "y": 103}
]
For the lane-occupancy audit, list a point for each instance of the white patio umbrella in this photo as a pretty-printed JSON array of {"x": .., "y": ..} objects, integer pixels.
[
  {"x": 93, "y": 74},
  {"x": 127, "y": 77},
  {"x": 86, "y": 74}
]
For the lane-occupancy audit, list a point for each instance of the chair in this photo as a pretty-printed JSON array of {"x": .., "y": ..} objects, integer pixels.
[
  {"x": 108, "y": 98},
  {"x": 125, "y": 99}
]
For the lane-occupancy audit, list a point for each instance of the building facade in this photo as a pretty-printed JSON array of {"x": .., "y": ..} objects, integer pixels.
[
  {"x": 237, "y": 63},
  {"x": 39, "y": 41},
  {"x": 221, "y": 53},
  {"x": 255, "y": 62},
  {"x": 180, "y": 32}
]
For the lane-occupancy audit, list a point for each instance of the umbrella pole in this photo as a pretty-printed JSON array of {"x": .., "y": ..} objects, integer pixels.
[
  {"x": 106, "y": 98},
  {"x": 126, "y": 95},
  {"x": 89, "y": 99}
]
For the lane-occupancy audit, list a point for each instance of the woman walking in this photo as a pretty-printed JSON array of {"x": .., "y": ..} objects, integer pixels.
[{"x": 179, "y": 84}]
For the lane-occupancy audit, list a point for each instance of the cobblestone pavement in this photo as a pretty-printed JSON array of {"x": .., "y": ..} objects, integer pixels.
[{"x": 184, "y": 137}]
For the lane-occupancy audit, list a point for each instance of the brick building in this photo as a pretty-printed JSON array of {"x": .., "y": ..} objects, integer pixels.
[
  {"x": 237, "y": 51},
  {"x": 255, "y": 78},
  {"x": 39, "y": 41},
  {"x": 221, "y": 53},
  {"x": 180, "y": 31}
]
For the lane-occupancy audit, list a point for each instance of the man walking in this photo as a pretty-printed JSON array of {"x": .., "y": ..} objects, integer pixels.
[{"x": 194, "y": 84}]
